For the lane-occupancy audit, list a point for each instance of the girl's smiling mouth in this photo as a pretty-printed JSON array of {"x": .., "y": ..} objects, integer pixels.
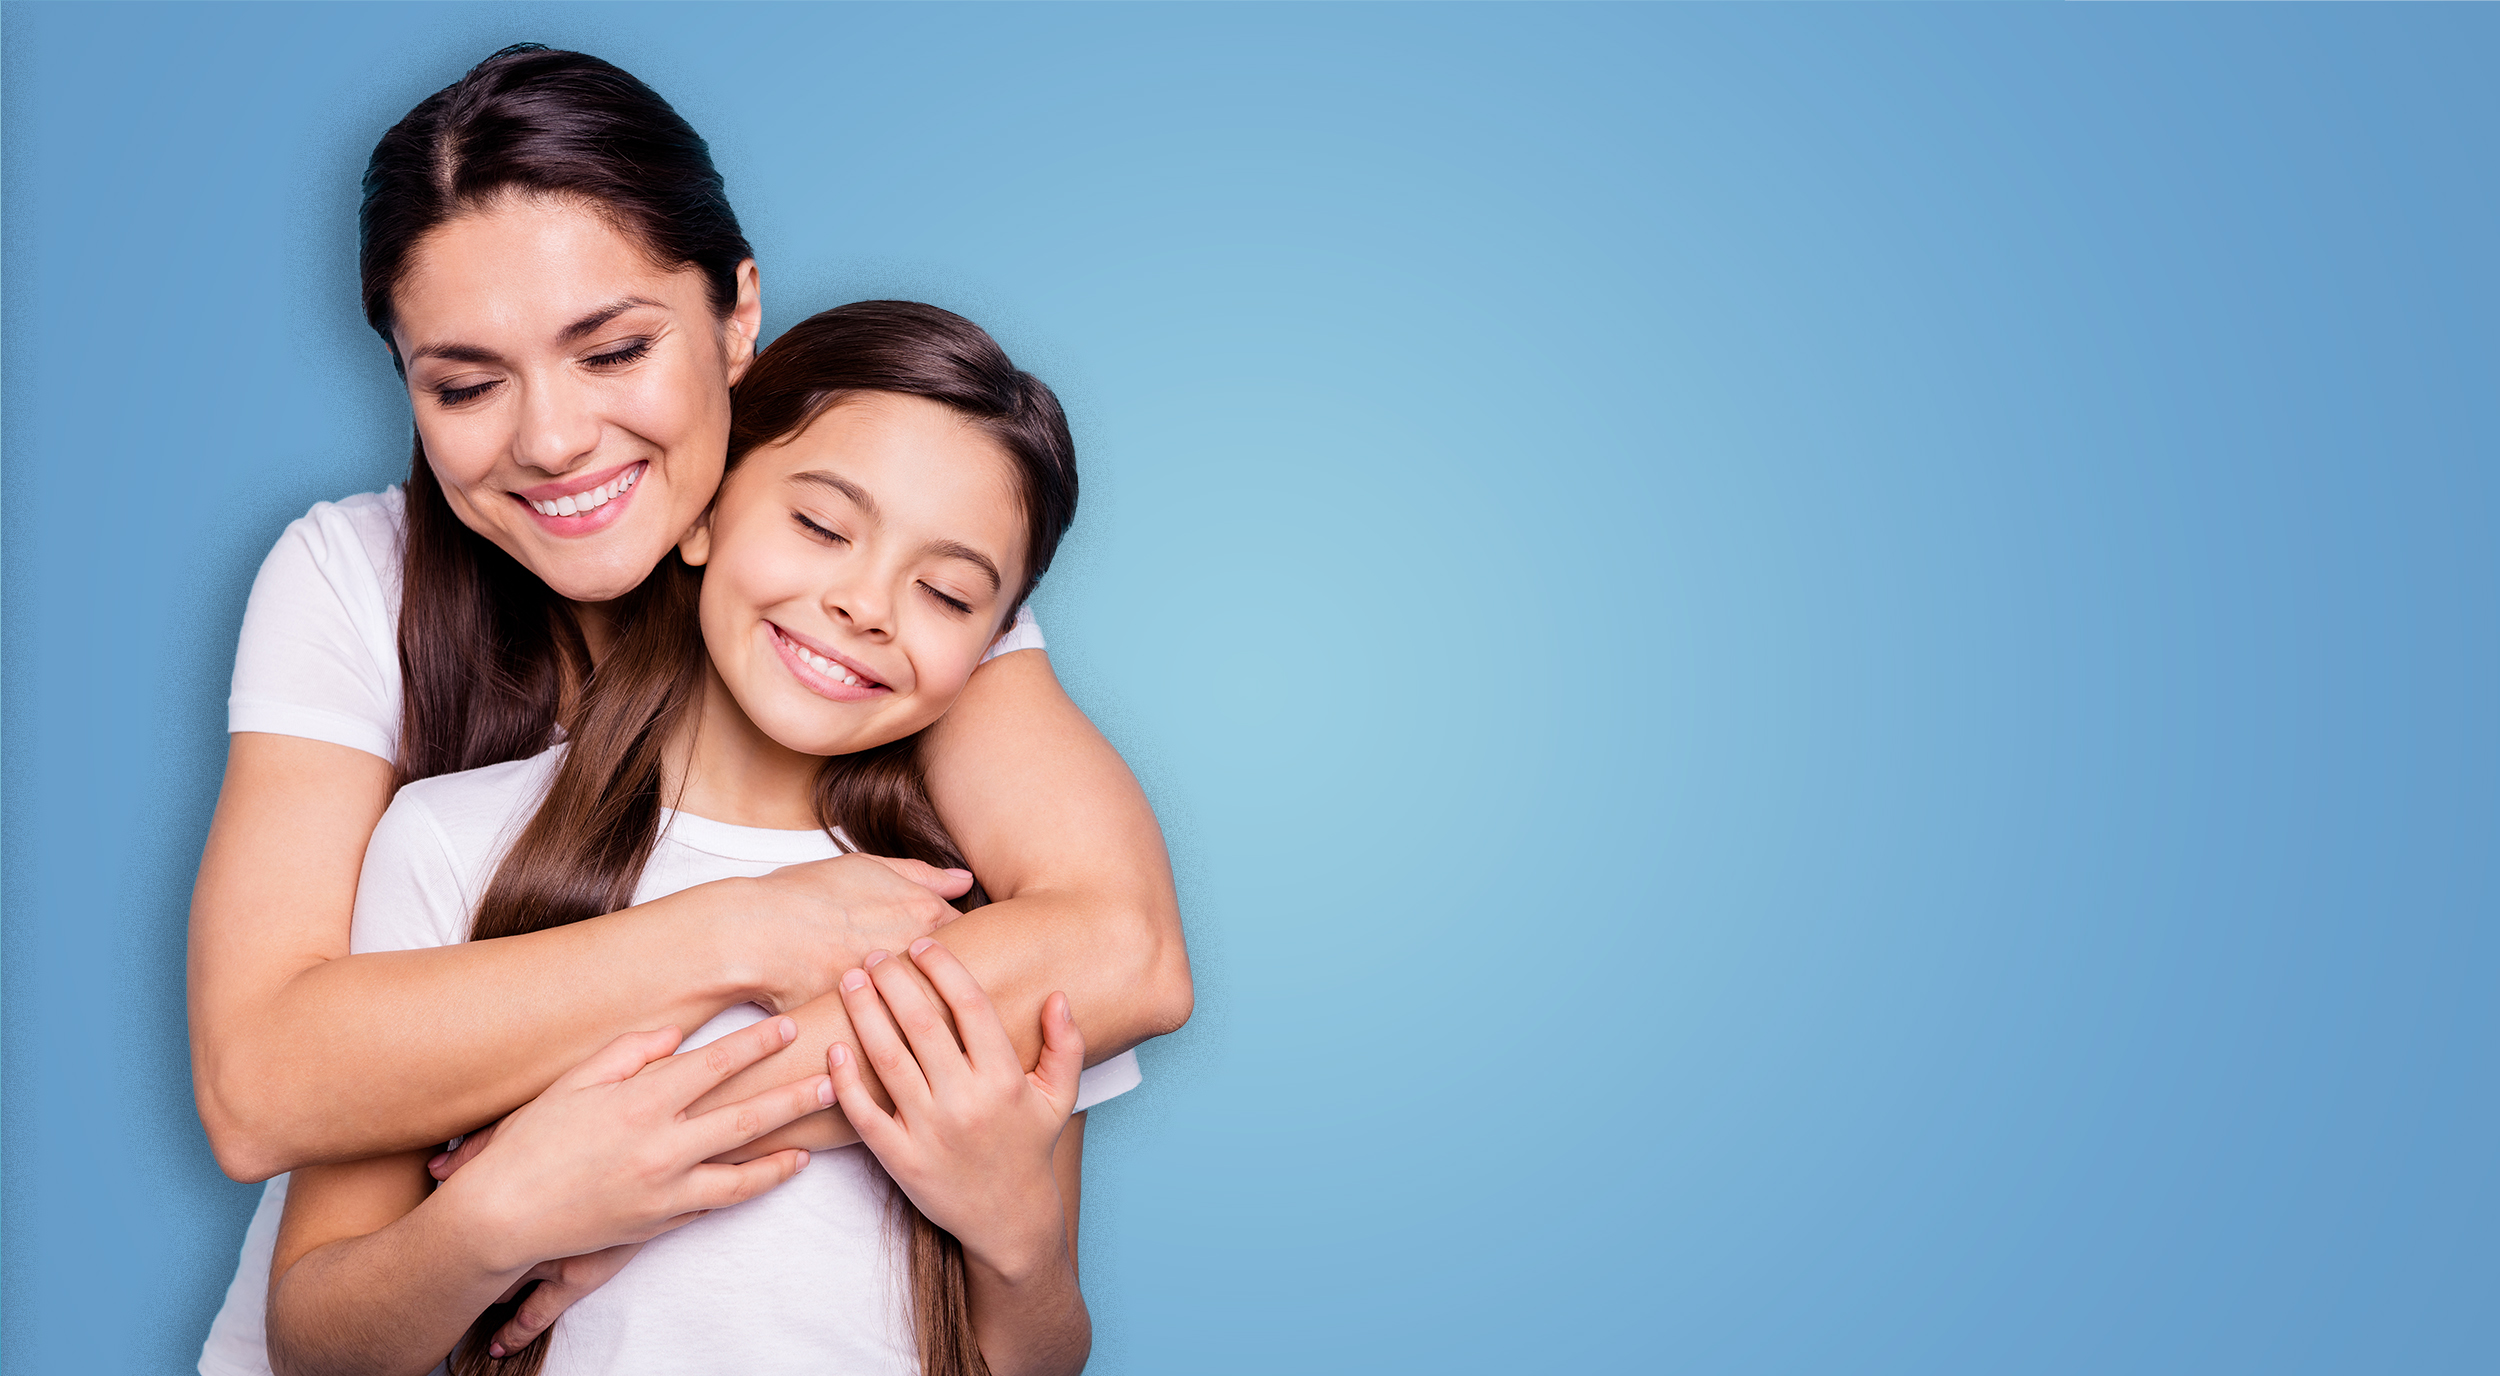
[
  {"x": 822, "y": 672},
  {"x": 580, "y": 506}
]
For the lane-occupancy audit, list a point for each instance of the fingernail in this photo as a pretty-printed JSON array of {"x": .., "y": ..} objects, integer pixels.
[
  {"x": 961, "y": 874},
  {"x": 789, "y": 1029},
  {"x": 841, "y": 1056},
  {"x": 824, "y": 1088},
  {"x": 855, "y": 980},
  {"x": 494, "y": 1350},
  {"x": 802, "y": 1163},
  {"x": 437, "y": 1163},
  {"x": 873, "y": 958},
  {"x": 921, "y": 947}
]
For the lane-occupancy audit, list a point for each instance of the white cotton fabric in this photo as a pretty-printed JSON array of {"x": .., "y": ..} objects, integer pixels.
[
  {"x": 805, "y": 1278},
  {"x": 319, "y": 656}
]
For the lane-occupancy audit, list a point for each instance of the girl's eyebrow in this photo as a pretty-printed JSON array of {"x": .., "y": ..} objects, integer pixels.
[{"x": 945, "y": 549}]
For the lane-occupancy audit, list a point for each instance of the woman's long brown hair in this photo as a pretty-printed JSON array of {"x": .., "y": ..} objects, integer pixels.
[
  {"x": 486, "y": 650},
  {"x": 583, "y": 852}
]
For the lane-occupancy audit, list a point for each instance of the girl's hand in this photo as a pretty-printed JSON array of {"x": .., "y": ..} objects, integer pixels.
[
  {"x": 971, "y": 1134},
  {"x": 562, "y": 1282},
  {"x": 812, "y": 921},
  {"x": 608, "y": 1154}
]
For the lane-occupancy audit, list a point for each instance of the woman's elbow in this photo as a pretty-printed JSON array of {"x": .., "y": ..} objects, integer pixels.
[
  {"x": 1163, "y": 981},
  {"x": 245, "y": 1147}
]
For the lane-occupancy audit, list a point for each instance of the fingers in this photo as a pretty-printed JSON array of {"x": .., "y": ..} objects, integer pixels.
[
  {"x": 984, "y": 1035},
  {"x": 573, "y": 1278},
  {"x": 1063, "y": 1053},
  {"x": 943, "y": 883},
  {"x": 693, "y": 1075},
  {"x": 874, "y": 1125},
  {"x": 734, "y": 1125},
  {"x": 444, "y": 1163},
  {"x": 718, "y": 1187},
  {"x": 882, "y": 1044}
]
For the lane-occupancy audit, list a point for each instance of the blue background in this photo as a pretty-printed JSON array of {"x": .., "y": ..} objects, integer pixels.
[{"x": 1823, "y": 680}]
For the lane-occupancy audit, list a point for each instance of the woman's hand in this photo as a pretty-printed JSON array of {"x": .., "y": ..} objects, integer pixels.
[
  {"x": 812, "y": 921},
  {"x": 972, "y": 1132},
  {"x": 608, "y": 1155}
]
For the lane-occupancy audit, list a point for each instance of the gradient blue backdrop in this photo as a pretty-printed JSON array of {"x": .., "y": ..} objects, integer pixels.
[{"x": 1823, "y": 680}]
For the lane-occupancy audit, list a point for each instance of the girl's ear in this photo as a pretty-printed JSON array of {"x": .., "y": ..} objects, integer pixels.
[{"x": 697, "y": 546}]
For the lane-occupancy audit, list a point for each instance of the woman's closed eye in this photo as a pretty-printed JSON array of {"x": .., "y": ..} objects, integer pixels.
[
  {"x": 457, "y": 396},
  {"x": 631, "y": 351}
]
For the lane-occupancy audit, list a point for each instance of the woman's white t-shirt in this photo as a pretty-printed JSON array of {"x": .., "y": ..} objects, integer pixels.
[{"x": 319, "y": 658}]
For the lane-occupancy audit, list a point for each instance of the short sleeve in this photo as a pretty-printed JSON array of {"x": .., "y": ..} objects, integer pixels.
[
  {"x": 409, "y": 896},
  {"x": 1023, "y": 633},
  {"x": 319, "y": 654},
  {"x": 1109, "y": 1080}
]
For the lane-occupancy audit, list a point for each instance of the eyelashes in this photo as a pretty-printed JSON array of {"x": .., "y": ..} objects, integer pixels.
[
  {"x": 633, "y": 351},
  {"x": 819, "y": 533}
]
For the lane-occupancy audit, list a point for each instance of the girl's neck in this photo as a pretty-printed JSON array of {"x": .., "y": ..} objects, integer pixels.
[{"x": 722, "y": 768}]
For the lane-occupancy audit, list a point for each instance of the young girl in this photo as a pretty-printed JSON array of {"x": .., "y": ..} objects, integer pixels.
[{"x": 895, "y": 490}]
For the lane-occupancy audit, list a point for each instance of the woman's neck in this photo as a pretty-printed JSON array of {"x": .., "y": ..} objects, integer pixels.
[{"x": 722, "y": 768}]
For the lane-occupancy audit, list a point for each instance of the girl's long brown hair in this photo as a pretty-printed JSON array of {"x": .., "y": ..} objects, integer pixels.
[{"x": 583, "y": 852}]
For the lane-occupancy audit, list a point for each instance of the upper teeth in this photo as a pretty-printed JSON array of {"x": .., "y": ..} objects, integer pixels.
[
  {"x": 824, "y": 666},
  {"x": 595, "y": 498}
]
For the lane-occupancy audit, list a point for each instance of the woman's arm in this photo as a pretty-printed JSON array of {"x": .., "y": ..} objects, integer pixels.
[
  {"x": 372, "y": 1274},
  {"x": 302, "y": 1053},
  {"x": 1063, "y": 840}
]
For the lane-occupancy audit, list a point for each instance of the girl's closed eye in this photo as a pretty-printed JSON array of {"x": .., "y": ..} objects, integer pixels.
[
  {"x": 958, "y": 605},
  {"x": 817, "y": 532}
]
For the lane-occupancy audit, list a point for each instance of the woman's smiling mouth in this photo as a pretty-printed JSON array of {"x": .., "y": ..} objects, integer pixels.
[
  {"x": 583, "y": 505},
  {"x": 825, "y": 675}
]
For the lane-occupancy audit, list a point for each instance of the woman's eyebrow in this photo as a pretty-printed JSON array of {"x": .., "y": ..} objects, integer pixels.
[
  {"x": 601, "y": 317},
  {"x": 471, "y": 353}
]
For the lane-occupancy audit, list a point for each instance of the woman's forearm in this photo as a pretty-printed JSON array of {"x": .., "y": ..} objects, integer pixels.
[{"x": 364, "y": 1054}]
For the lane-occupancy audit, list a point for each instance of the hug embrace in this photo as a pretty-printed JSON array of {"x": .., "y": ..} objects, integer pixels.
[{"x": 664, "y": 799}]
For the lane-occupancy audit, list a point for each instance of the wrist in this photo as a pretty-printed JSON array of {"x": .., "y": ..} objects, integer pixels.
[
  {"x": 1016, "y": 1253},
  {"x": 745, "y": 962},
  {"x": 475, "y": 1237}
]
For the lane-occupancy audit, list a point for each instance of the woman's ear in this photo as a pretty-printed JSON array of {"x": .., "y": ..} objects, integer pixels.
[
  {"x": 697, "y": 546},
  {"x": 745, "y": 324}
]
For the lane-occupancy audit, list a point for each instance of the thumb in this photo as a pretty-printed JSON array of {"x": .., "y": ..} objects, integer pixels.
[
  {"x": 621, "y": 1059},
  {"x": 1063, "y": 1053},
  {"x": 943, "y": 883}
]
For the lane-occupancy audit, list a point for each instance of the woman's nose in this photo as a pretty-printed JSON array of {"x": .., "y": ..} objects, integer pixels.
[{"x": 557, "y": 430}]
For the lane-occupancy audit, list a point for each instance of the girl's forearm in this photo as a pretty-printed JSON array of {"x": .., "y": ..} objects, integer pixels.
[
  {"x": 364, "y": 1054},
  {"x": 1028, "y": 1314},
  {"x": 392, "y": 1301}
]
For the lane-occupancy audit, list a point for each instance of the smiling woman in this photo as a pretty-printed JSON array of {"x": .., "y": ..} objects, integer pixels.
[{"x": 549, "y": 255}]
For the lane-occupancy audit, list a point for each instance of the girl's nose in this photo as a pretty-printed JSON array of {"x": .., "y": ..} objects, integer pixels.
[{"x": 864, "y": 610}]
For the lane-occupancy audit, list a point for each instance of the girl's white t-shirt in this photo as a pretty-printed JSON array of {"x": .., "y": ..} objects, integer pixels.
[
  {"x": 319, "y": 655},
  {"x": 805, "y": 1278}
]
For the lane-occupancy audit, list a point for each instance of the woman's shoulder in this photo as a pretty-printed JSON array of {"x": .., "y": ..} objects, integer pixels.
[{"x": 368, "y": 525}]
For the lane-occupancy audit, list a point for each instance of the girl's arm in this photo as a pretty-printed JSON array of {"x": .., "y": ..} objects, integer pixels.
[
  {"x": 1065, "y": 844},
  {"x": 303, "y": 1053},
  {"x": 372, "y": 1274},
  {"x": 984, "y": 1148}
]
